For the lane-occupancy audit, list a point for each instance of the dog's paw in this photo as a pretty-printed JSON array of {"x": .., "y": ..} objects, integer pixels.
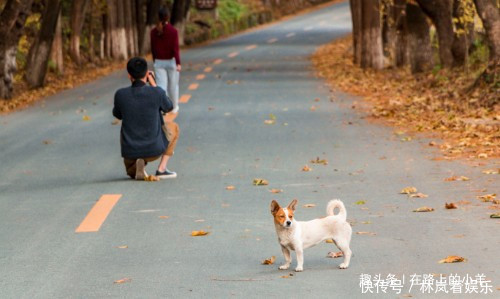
[
  {"x": 343, "y": 266},
  {"x": 299, "y": 269},
  {"x": 284, "y": 267}
]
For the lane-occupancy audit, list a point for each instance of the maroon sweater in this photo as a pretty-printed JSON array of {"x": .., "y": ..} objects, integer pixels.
[{"x": 165, "y": 46}]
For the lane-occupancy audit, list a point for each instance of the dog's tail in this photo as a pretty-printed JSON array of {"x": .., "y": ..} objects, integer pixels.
[{"x": 336, "y": 203}]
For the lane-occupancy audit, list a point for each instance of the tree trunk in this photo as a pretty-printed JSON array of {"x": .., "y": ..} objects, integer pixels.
[
  {"x": 371, "y": 31},
  {"x": 12, "y": 21},
  {"x": 464, "y": 34},
  {"x": 57, "y": 48},
  {"x": 153, "y": 6},
  {"x": 39, "y": 53},
  {"x": 440, "y": 12},
  {"x": 129, "y": 24},
  {"x": 419, "y": 41},
  {"x": 356, "y": 29},
  {"x": 179, "y": 17},
  {"x": 489, "y": 13},
  {"x": 394, "y": 33},
  {"x": 116, "y": 37},
  {"x": 78, "y": 11}
]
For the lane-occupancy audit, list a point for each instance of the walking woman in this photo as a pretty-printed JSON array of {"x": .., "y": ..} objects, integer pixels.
[{"x": 166, "y": 58}]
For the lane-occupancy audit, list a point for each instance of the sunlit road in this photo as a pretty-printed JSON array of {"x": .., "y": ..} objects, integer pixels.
[{"x": 55, "y": 165}]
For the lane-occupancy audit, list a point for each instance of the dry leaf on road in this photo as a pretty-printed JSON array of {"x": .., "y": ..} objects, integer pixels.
[
  {"x": 260, "y": 182},
  {"x": 197, "y": 233},
  {"x": 269, "y": 261},
  {"x": 122, "y": 247},
  {"x": 230, "y": 187},
  {"x": 366, "y": 233},
  {"x": 123, "y": 280},
  {"x": 309, "y": 205},
  {"x": 306, "y": 168},
  {"x": 419, "y": 195},
  {"x": 329, "y": 241},
  {"x": 496, "y": 215},
  {"x": 334, "y": 255},
  {"x": 456, "y": 178},
  {"x": 487, "y": 197},
  {"x": 450, "y": 206},
  {"x": 408, "y": 190},
  {"x": 152, "y": 178},
  {"x": 491, "y": 171},
  {"x": 85, "y": 118},
  {"x": 360, "y": 202},
  {"x": 276, "y": 190},
  {"x": 163, "y": 217},
  {"x": 424, "y": 209},
  {"x": 320, "y": 161},
  {"x": 269, "y": 121},
  {"x": 452, "y": 259}
]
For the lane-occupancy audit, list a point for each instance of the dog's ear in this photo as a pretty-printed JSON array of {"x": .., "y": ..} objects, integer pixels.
[
  {"x": 292, "y": 205},
  {"x": 274, "y": 207}
]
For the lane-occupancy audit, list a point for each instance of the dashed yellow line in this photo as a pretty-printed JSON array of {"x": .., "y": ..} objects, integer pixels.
[
  {"x": 233, "y": 54},
  {"x": 208, "y": 69},
  {"x": 193, "y": 86},
  {"x": 272, "y": 40},
  {"x": 290, "y": 34},
  {"x": 251, "y": 47},
  {"x": 218, "y": 61},
  {"x": 184, "y": 98},
  {"x": 98, "y": 214},
  {"x": 200, "y": 77}
]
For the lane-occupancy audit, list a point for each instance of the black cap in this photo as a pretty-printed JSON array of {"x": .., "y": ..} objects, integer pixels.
[{"x": 137, "y": 67}]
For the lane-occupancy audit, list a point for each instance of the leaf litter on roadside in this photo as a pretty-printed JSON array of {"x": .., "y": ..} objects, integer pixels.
[
  {"x": 456, "y": 178},
  {"x": 152, "y": 178},
  {"x": 320, "y": 161},
  {"x": 487, "y": 197},
  {"x": 306, "y": 168},
  {"x": 366, "y": 233},
  {"x": 450, "y": 206}
]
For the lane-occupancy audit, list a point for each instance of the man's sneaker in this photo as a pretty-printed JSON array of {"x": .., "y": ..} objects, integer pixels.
[
  {"x": 140, "y": 172},
  {"x": 167, "y": 174}
]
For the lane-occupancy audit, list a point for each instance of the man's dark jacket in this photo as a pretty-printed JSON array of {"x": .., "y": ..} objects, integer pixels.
[{"x": 140, "y": 108}]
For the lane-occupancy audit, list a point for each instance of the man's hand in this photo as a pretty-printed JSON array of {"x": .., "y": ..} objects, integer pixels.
[
  {"x": 151, "y": 79},
  {"x": 179, "y": 67}
]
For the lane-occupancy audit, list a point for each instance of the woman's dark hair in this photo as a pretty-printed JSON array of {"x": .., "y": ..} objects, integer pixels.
[{"x": 163, "y": 14}]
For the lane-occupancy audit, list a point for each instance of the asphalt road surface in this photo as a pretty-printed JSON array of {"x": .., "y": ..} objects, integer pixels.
[{"x": 56, "y": 165}]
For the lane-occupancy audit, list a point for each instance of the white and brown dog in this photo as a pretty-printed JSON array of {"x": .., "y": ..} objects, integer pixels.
[{"x": 299, "y": 235}]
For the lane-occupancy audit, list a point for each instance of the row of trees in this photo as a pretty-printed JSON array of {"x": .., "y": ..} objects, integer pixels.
[
  {"x": 110, "y": 29},
  {"x": 397, "y": 32}
]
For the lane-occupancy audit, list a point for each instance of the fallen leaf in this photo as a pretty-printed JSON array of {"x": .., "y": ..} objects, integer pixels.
[
  {"x": 276, "y": 190},
  {"x": 366, "y": 222},
  {"x": 491, "y": 171},
  {"x": 285, "y": 276},
  {"x": 334, "y": 255},
  {"x": 260, "y": 182},
  {"x": 269, "y": 121},
  {"x": 424, "y": 209},
  {"x": 450, "y": 206},
  {"x": 407, "y": 138},
  {"x": 47, "y": 141},
  {"x": 86, "y": 118},
  {"x": 316, "y": 99},
  {"x": 269, "y": 261},
  {"x": 123, "y": 280},
  {"x": 360, "y": 202},
  {"x": 329, "y": 241},
  {"x": 452, "y": 259},
  {"x": 122, "y": 247},
  {"x": 163, "y": 217},
  {"x": 197, "y": 233},
  {"x": 200, "y": 220},
  {"x": 313, "y": 108},
  {"x": 309, "y": 205},
  {"x": 366, "y": 233},
  {"x": 306, "y": 168},
  {"x": 419, "y": 195},
  {"x": 230, "y": 187},
  {"x": 487, "y": 197},
  {"x": 456, "y": 178},
  {"x": 432, "y": 143},
  {"x": 152, "y": 178},
  {"x": 320, "y": 161},
  {"x": 496, "y": 215},
  {"x": 408, "y": 190},
  {"x": 482, "y": 156}
]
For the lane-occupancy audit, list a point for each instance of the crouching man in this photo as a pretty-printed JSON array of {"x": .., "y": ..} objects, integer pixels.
[{"x": 144, "y": 135}]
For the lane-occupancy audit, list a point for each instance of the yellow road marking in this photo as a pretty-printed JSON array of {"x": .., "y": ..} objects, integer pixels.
[
  {"x": 290, "y": 34},
  {"x": 208, "y": 69},
  {"x": 200, "y": 77},
  {"x": 233, "y": 54},
  {"x": 272, "y": 40},
  {"x": 218, "y": 61},
  {"x": 184, "y": 98},
  {"x": 193, "y": 86},
  {"x": 251, "y": 47},
  {"x": 98, "y": 214}
]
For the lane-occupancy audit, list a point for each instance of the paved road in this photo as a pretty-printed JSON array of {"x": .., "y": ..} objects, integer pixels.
[{"x": 48, "y": 189}]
